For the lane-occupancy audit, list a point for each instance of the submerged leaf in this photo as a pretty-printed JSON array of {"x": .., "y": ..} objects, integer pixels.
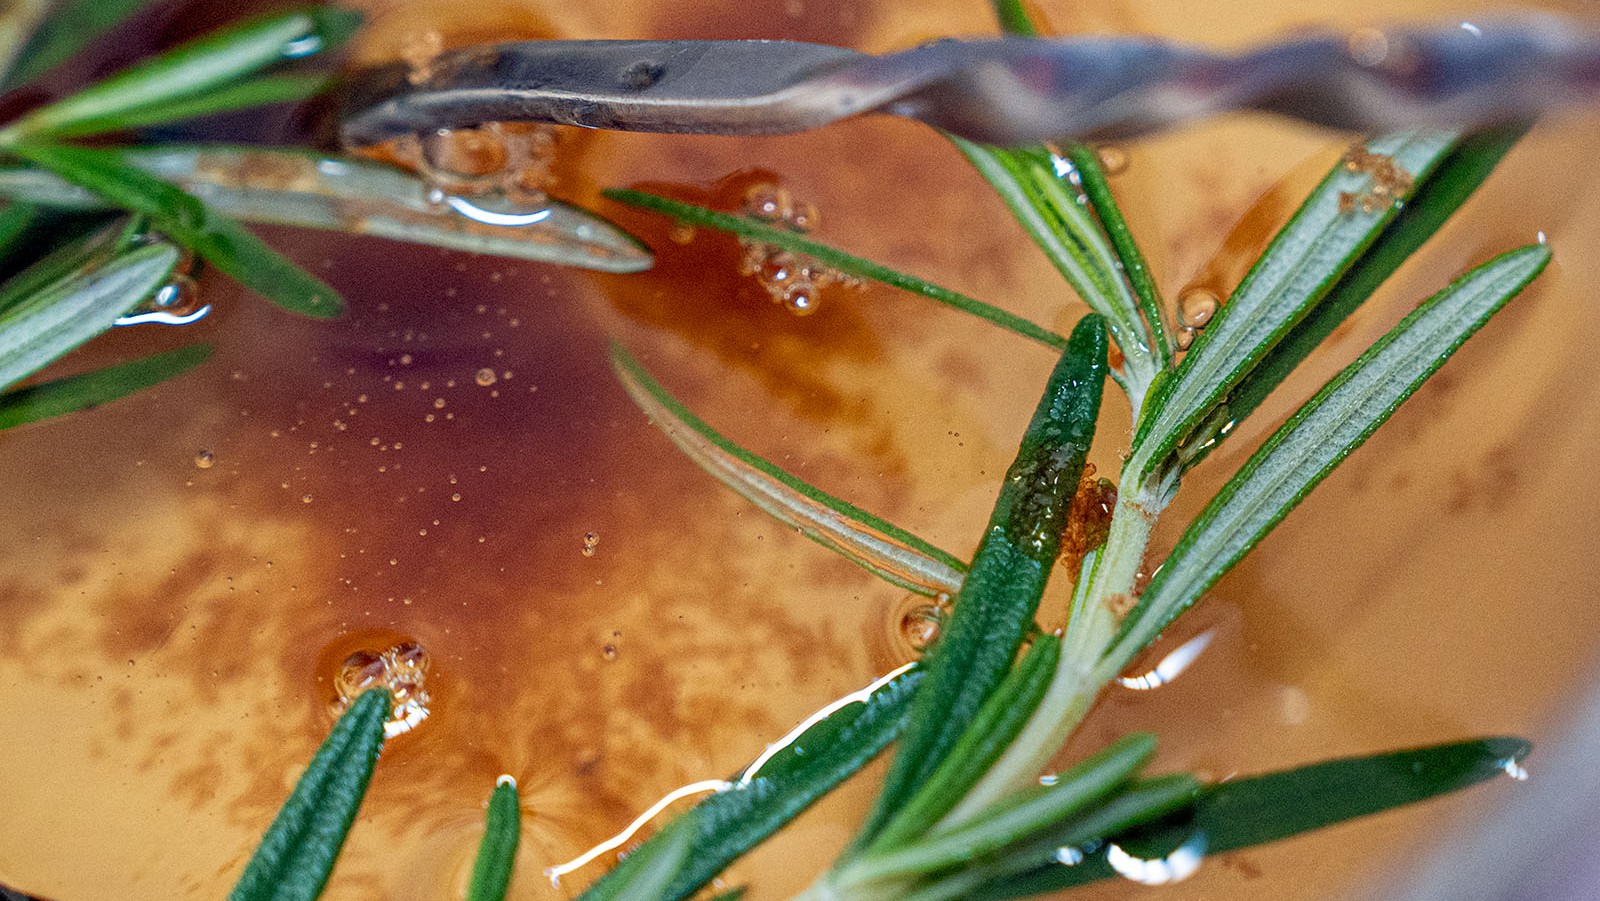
[
  {"x": 67, "y": 27},
  {"x": 212, "y": 61},
  {"x": 1340, "y": 219},
  {"x": 884, "y": 549},
  {"x": 220, "y": 241},
  {"x": 309, "y": 190},
  {"x": 778, "y": 786},
  {"x": 263, "y": 91},
  {"x": 782, "y": 238},
  {"x": 297, "y": 854},
  {"x": 71, "y": 309},
  {"x": 91, "y": 389},
  {"x": 1013, "y": 562},
  {"x": 1318, "y": 438},
  {"x": 1242, "y": 813},
  {"x": 491, "y": 872}
]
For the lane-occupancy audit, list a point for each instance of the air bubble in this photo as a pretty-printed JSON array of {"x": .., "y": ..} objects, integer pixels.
[
  {"x": 1113, "y": 160},
  {"x": 768, "y": 202},
  {"x": 590, "y": 541},
  {"x": 402, "y": 669},
  {"x": 800, "y": 298},
  {"x": 485, "y": 377},
  {"x": 1197, "y": 306},
  {"x": 204, "y": 459}
]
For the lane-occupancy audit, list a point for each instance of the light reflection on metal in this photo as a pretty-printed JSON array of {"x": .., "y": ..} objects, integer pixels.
[
  {"x": 490, "y": 217},
  {"x": 162, "y": 317},
  {"x": 1175, "y": 867},
  {"x": 718, "y": 785},
  {"x": 1171, "y": 666}
]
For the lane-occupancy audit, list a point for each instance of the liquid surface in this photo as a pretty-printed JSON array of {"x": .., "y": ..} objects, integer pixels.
[{"x": 188, "y": 573}]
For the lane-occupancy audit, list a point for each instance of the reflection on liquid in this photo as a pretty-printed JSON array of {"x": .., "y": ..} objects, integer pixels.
[
  {"x": 717, "y": 785},
  {"x": 1182, "y": 863},
  {"x": 1171, "y": 666}
]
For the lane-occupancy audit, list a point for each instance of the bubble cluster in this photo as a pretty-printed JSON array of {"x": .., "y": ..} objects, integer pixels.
[
  {"x": 1196, "y": 307},
  {"x": 1390, "y": 181},
  {"x": 590, "y": 541},
  {"x": 791, "y": 279},
  {"x": 512, "y": 159},
  {"x": 401, "y": 669}
]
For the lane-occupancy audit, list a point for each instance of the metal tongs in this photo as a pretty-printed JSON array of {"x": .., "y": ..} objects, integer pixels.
[{"x": 1008, "y": 91}]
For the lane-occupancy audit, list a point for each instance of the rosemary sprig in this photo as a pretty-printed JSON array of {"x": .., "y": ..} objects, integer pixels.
[{"x": 91, "y": 389}]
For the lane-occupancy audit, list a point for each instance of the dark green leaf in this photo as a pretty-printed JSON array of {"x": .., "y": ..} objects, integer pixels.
[
  {"x": 212, "y": 61},
  {"x": 305, "y": 189},
  {"x": 91, "y": 389},
  {"x": 1013, "y": 820},
  {"x": 265, "y": 90},
  {"x": 298, "y": 852},
  {"x": 1092, "y": 177},
  {"x": 64, "y": 313},
  {"x": 877, "y": 545},
  {"x": 220, "y": 241},
  {"x": 1440, "y": 195},
  {"x": 68, "y": 27},
  {"x": 1002, "y": 717},
  {"x": 1325, "y": 237},
  {"x": 730, "y": 823},
  {"x": 1316, "y": 439},
  {"x": 837, "y": 259},
  {"x": 18, "y": 222},
  {"x": 1009, "y": 571},
  {"x": 1242, "y": 813},
  {"x": 81, "y": 252},
  {"x": 497, "y": 853}
]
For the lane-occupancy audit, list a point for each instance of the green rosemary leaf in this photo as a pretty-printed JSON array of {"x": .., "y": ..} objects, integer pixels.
[
  {"x": 18, "y": 224},
  {"x": 1046, "y": 206},
  {"x": 1014, "y": 18},
  {"x": 650, "y": 870},
  {"x": 1320, "y": 243},
  {"x": 882, "y": 548},
  {"x": 491, "y": 872},
  {"x": 1449, "y": 186},
  {"x": 298, "y": 851},
  {"x": 837, "y": 259},
  {"x": 733, "y": 894},
  {"x": 66, "y": 27},
  {"x": 300, "y": 188},
  {"x": 1316, "y": 439},
  {"x": 220, "y": 241},
  {"x": 71, "y": 309},
  {"x": 264, "y": 90},
  {"x": 1143, "y": 803},
  {"x": 1092, "y": 178},
  {"x": 1009, "y": 822},
  {"x": 997, "y": 723},
  {"x": 81, "y": 252},
  {"x": 91, "y": 389},
  {"x": 1000, "y": 593},
  {"x": 778, "y": 786},
  {"x": 1242, "y": 813},
  {"x": 212, "y": 61}
]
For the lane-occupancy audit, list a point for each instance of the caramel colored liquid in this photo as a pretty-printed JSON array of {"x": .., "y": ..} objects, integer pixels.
[{"x": 169, "y": 633}]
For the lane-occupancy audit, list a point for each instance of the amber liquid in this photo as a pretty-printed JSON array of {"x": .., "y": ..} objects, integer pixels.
[{"x": 169, "y": 633}]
